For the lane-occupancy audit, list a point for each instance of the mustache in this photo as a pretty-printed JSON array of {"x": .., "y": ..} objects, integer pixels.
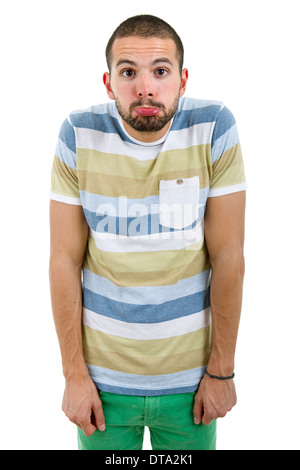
[{"x": 140, "y": 103}]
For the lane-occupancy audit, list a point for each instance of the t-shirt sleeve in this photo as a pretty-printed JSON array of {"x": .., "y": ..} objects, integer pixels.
[
  {"x": 228, "y": 175},
  {"x": 64, "y": 181}
]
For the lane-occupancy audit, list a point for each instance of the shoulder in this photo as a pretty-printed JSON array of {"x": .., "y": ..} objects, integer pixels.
[
  {"x": 189, "y": 104},
  {"x": 225, "y": 122},
  {"x": 98, "y": 117},
  {"x": 193, "y": 111}
]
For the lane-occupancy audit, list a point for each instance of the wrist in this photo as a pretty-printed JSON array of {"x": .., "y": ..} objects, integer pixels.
[
  {"x": 218, "y": 377},
  {"x": 221, "y": 367},
  {"x": 76, "y": 374}
]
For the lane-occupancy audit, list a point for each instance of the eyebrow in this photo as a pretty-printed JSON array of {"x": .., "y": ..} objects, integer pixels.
[
  {"x": 125, "y": 61},
  {"x": 162, "y": 60}
]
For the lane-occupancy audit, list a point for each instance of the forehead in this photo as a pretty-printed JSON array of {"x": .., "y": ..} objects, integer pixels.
[{"x": 140, "y": 49}]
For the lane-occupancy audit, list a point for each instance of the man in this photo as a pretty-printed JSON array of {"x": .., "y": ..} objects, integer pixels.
[{"x": 146, "y": 265}]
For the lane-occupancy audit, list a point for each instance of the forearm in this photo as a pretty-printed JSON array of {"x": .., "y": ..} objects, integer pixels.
[
  {"x": 226, "y": 302},
  {"x": 224, "y": 235},
  {"x": 66, "y": 297}
]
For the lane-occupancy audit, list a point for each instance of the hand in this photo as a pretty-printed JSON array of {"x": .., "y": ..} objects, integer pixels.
[
  {"x": 214, "y": 398},
  {"x": 82, "y": 405}
]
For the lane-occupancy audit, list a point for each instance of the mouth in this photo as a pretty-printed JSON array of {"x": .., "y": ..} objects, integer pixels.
[{"x": 146, "y": 111}]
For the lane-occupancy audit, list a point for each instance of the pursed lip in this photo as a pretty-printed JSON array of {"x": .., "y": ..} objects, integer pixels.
[{"x": 146, "y": 111}]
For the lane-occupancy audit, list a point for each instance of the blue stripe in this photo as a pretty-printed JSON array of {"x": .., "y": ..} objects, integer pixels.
[
  {"x": 94, "y": 202},
  {"x": 151, "y": 313},
  {"x": 67, "y": 135},
  {"x": 151, "y": 383},
  {"x": 224, "y": 122},
  {"x": 104, "y": 118},
  {"x": 99, "y": 122},
  {"x": 144, "y": 391},
  {"x": 148, "y": 294},
  {"x": 185, "y": 119},
  {"x": 133, "y": 226}
]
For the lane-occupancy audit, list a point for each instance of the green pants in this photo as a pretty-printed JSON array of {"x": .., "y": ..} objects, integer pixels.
[{"x": 169, "y": 418}]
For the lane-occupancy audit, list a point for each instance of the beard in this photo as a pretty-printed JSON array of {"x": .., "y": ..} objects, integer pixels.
[{"x": 147, "y": 123}]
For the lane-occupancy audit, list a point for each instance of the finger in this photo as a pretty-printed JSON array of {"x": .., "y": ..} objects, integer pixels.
[
  {"x": 87, "y": 427},
  {"x": 198, "y": 411},
  {"x": 99, "y": 419},
  {"x": 208, "y": 417}
]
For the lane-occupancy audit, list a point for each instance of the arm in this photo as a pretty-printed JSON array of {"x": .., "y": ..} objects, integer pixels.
[
  {"x": 224, "y": 234},
  {"x": 69, "y": 232}
]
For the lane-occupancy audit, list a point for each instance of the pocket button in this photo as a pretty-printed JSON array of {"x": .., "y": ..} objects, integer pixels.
[{"x": 179, "y": 181}]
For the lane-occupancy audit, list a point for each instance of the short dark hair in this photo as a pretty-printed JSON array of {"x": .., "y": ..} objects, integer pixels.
[{"x": 145, "y": 26}]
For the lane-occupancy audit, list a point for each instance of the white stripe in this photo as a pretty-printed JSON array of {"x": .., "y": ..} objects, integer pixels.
[
  {"x": 65, "y": 154},
  {"x": 112, "y": 143},
  {"x": 145, "y": 331},
  {"x": 191, "y": 239},
  {"x": 225, "y": 142},
  {"x": 199, "y": 134},
  {"x": 109, "y": 142},
  {"x": 227, "y": 190},
  {"x": 66, "y": 199}
]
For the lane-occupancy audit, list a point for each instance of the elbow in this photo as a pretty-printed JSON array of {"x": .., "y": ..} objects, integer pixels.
[
  {"x": 61, "y": 265},
  {"x": 232, "y": 261}
]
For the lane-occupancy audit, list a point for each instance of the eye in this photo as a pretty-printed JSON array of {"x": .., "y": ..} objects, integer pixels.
[
  {"x": 128, "y": 73},
  {"x": 161, "y": 72}
]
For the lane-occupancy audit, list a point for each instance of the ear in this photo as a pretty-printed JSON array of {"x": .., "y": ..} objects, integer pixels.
[
  {"x": 184, "y": 79},
  {"x": 106, "y": 81}
]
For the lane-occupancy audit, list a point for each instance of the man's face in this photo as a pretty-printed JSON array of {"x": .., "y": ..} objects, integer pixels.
[{"x": 146, "y": 83}]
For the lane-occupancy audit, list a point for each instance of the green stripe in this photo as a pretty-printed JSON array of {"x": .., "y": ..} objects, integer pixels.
[
  {"x": 132, "y": 188},
  {"x": 154, "y": 347},
  {"x": 64, "y": 179},
  {"x": 142, "y": 262},
  {"x": 116, "y": 165},
  {"x": 150, "y": 365},
  {"x": 144, "y": 357},
  {"x": 158, "y": 277},
  {"x": 229, "y": 169}
]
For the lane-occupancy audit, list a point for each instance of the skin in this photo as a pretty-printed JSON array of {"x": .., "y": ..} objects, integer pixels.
[
  {"x": 224, "y": 234},
  {"x": 143, "y": 72}
]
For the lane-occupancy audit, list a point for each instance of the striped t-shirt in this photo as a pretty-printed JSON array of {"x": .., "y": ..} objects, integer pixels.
[{"x": 146, "y": 321}]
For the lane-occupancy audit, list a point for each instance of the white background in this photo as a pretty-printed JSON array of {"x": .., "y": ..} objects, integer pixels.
[{"x": 245, "y": 53}]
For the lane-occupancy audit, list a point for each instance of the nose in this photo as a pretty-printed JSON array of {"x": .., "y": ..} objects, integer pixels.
[{"x": 145, "y": 86}]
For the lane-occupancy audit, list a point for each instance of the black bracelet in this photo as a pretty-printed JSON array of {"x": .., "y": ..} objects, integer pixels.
[{"x": 219, "y": 378}]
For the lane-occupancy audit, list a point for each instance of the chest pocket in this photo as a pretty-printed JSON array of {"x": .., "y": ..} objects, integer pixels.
[{"x": 178, "y": 202}]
